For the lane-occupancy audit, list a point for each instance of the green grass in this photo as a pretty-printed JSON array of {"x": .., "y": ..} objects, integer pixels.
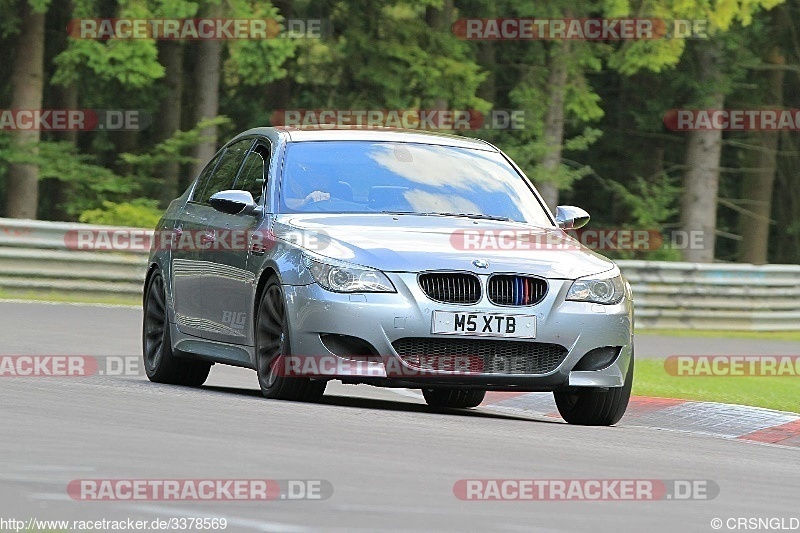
[
  {"x": 781, "y": 393},
  {"x": 69, "y": 297},
  {"x": 719, "y": 333}
]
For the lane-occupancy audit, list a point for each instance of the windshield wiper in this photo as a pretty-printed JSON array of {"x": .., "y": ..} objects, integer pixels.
[
  {"x": 475, "y": 215},
  {"x": 435, "y": 214}
]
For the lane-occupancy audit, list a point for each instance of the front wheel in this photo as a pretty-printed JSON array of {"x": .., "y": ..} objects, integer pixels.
[
  {"x": 453, "y": 398},
  {"x": 592, "y": 406},
  {"x": 272, "y": 346},
  {"x": 160, "y": 363}
]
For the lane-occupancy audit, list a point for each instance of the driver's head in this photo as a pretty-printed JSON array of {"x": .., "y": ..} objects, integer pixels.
[{"x": 304, "y": 179}]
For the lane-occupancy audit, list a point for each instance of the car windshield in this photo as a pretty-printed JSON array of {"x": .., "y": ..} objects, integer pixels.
[{"x": 405, "y": 178}]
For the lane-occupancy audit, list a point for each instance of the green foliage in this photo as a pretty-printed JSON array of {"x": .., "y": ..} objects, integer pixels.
[
  {"x": 10, "y": 21},
  {"x": 391, "y": 58},
  {"x": 138, "y": 213},
  {"x": 527, "y": 154},
  {"x": 90, "y": 182},
  {"x": 133, "y": 63},
  {"x": 92, "y": 185},
  {"x": 583, "y": 141},
  {"x": 658, "y": 55},
  {"x": 650, "y": 204},
  {"x": 398, "y": 54},
  {"x": 174, "y": 8},
  {"x": 171, "y": 150},
  {"x": 39, "y": 6},
  {"x": 257, "y": 62},
  {"x": 144, "y": 167}
]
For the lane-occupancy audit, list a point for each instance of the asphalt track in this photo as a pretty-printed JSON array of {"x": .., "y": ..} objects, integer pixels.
[{"x": 391, "y": 462}]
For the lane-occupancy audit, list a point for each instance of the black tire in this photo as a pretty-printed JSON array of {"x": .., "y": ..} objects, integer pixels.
[
  {"x": 595, "y": 406},
  {"x": 160, "y": 362},
  {"x": 272, "y": 344},
  {"x": 453, "y": 398}
]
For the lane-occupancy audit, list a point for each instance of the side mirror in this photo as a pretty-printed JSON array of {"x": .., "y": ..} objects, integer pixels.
[
  {"x": 571, "y": 217},
  {"x": 234, "y": 202}
]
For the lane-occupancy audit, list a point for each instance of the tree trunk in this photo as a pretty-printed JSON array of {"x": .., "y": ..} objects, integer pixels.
[
  {"x": 54, "y": 193},
  {"x": 757, "y": 190},
  {"x": 487, "y": 57},
  {"x": 786, "y": 201},
  {"x": 22, "y": 195},
  {"x": 440, "y": 19},
  {"x": 169, "y": 113},
  {"x": 757, "y": 186},
  {"x": 207, "y": 78},
  {"x": 701, "y": 180},
  {"x": 279, "y": 92},
  {"x": 554, "y": 123}
]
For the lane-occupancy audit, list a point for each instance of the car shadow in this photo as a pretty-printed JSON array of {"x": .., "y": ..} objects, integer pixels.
[{"x": 356, "y": 402}]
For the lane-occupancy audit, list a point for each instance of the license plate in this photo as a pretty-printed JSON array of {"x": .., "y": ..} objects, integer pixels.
[{"x": 484, "y": 324}]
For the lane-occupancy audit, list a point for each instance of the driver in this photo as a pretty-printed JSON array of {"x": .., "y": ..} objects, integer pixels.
[
  {"x": 300, "y": 181},
  {"x": 315, "y": 196}
]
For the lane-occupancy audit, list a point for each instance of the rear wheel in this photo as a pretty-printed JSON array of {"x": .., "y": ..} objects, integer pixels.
[
  {"x": 160, "y": 363},
  {"x": 453, "y": 398},
  {"x": 272, "y": 345},
  {"x": 594, "y": 406}
]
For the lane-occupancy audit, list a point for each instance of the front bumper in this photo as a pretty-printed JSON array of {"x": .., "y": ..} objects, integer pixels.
[{"x": 382, "y": 318}]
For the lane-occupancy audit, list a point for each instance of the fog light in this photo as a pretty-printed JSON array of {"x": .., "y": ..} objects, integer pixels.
[
  {"x": 348, "y": 347},
  {"x": 599, "y": 358}
]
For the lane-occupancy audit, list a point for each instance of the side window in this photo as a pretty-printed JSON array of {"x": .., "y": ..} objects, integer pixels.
[
  {"x": 225, "y": 173},
  {"x": 253, "y": 176},
  {"x": 202, "y": 181}
]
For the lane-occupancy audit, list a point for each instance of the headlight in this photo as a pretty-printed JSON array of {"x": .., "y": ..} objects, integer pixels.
[
  {"x": 605, "y": 288},
  {"x": 339, "y": 276}
]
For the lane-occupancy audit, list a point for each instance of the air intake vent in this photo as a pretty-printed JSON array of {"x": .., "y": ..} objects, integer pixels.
[
  {"x": 516, "y": 290},
  {"x": 451, "y": 287},
  {"x": 481, "y": 356}
]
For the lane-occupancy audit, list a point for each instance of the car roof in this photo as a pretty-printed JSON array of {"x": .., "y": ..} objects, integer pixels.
[{"x": 371, "y": 134}]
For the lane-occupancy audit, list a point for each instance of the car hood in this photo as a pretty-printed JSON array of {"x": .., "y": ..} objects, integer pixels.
[{"x": 410, "y": 243}]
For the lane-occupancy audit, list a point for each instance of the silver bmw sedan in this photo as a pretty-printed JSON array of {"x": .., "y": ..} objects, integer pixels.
[{"x": 385, "y": 257}]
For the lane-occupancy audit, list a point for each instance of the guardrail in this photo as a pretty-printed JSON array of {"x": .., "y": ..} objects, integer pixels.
[
  {"x": 715, "y": 296},
  {"x": 34, "y": 256}
]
